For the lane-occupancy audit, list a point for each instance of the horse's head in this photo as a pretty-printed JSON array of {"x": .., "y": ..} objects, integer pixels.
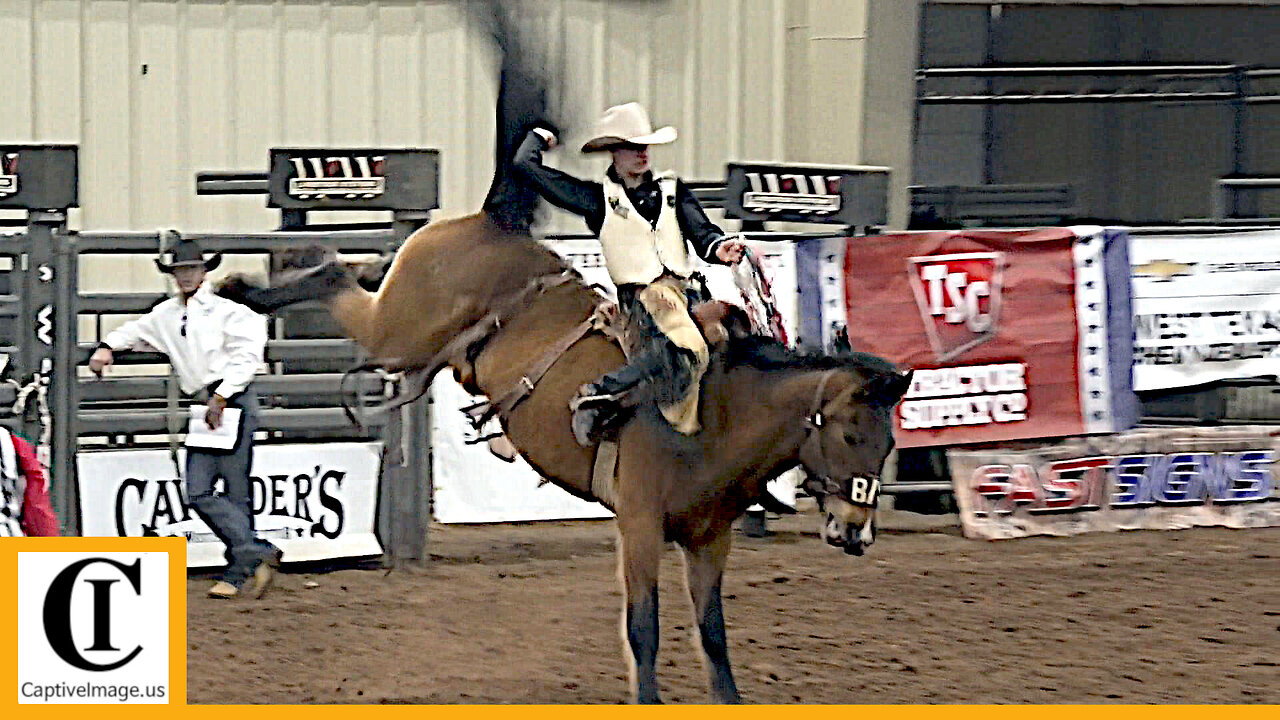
[{"x": 848, "y": 438}]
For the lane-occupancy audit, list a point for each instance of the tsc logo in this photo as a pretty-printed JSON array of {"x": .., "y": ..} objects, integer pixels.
[
  {"x": 94, "y": 627},
  {"x": 57, "y": 613},
  {"x": 349, "y": 177},
  {"x": 792, "y": 192},
  {"x": 8, "y": 174},
  {"x": 959, "y": 299}
]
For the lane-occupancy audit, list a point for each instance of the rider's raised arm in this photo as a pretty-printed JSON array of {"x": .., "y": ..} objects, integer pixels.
[
  {"x": 561, "y": 189},
  {"x": 696, "y": 227}
]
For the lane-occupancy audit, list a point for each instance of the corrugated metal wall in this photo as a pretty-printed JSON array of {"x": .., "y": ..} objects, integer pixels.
[
  {"x": 1129, "y": 162},
  {"x": 155, "y": 90}
]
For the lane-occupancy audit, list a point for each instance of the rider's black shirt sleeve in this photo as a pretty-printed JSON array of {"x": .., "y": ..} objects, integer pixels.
[
  {"x": 705, "y": 235},
  {"x": 561, "y": 189},
  {"x": 586, "y": 198}
]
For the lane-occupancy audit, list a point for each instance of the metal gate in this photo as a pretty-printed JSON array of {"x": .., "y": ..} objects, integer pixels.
[{"x": 68, "y": 410}]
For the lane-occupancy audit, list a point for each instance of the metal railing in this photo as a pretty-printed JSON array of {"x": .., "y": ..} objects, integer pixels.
[
  {"x": 1022, "y": 204},
  {"x": 1226, "y": 195}
]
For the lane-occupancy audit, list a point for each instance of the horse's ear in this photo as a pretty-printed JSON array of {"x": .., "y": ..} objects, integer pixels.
[
  {"x": 904, "y": 384},
  {"x": 887, "y": 389}
]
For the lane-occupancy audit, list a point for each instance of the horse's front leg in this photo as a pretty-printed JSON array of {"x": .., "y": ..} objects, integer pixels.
[
  {"x": 704, "y": 571},
  {"x": 639, "y": 554}
]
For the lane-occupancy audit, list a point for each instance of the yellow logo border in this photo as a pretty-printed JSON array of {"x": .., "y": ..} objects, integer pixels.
[{"x": 176, "y": 548}]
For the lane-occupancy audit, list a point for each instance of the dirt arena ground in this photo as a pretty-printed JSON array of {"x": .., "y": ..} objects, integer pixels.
[{"x": 529, "y": 614}]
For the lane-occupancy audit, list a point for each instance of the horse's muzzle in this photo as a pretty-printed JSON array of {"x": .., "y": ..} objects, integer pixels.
[
  {"x": 848, "y": 527},
  {"x": 852, "y": 539}
]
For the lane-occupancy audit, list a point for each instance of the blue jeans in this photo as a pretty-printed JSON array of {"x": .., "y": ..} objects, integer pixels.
[{"x": 230, "y": 513}]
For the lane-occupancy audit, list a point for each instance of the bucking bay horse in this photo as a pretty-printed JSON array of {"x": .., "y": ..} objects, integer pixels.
[
  {"x": 764, "y": 410},
  {"x": 480, "y": 295}
]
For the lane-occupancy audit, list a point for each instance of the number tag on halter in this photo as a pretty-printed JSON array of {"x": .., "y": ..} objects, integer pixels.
[{"x": 864, "y": 492}]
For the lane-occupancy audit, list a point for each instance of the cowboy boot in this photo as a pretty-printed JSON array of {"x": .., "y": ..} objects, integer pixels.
[
  {"x": 600, "y": 408},
  {"x": 596, "y": 411},
  {"x": 264, "y": 572},
  {"x": 223, "y": 590}
]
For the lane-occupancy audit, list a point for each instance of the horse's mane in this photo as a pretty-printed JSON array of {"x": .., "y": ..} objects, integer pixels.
[{"x": 764, "y": 353}]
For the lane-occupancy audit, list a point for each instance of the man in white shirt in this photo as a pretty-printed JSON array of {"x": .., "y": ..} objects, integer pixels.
[{"x": 215, "y": 346}]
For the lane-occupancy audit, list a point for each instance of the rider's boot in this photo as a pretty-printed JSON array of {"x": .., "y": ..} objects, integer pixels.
[
  {"x": 596, "y": 411},
  {"x": 600, "y": 408}
]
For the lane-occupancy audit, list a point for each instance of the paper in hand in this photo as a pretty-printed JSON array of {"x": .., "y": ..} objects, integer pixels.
[{"x": 200, "y": 435}]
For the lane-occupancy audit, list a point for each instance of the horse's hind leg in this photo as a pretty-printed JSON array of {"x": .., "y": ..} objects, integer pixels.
[
  {"x": 639, "y": 554},
  {"x": 704, "y": 572}
]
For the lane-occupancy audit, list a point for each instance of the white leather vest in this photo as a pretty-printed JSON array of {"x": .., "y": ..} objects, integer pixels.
[{"x": 634, "y": 250}]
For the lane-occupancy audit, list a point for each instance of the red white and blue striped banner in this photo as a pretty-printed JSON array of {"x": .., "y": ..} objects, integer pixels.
[{"x": 1012, "y": 334}]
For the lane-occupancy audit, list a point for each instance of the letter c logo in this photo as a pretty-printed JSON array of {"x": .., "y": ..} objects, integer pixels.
[{"x": 57, "y": 613}]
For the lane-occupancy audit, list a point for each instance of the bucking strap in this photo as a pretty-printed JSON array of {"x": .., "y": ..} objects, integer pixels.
[
  {"x": 524, "y": 387},
  {"x": 505, "y": 403}
]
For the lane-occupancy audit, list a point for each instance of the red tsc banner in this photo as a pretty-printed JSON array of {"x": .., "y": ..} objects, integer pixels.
[
  {"x": 1012, "y": 334},
  {"x": 1155, "y": 479}
]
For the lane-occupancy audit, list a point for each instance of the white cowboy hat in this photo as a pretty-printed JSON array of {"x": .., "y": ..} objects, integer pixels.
[{"x": 627, "y": 124}]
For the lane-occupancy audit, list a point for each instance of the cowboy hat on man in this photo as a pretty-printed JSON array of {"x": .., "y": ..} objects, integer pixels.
[
  {"x": 627, "y": 124},
  {"x": 180, "y": 251}
]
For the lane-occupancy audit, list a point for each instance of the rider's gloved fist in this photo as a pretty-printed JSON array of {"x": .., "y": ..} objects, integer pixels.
[{"x": 546, "y": 135}]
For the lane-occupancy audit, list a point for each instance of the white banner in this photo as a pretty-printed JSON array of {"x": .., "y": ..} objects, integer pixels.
[
  {"x": 1206, "y": 308},
  {"x": 473, "y": 486},
  {"x": 314, "y": 502}
]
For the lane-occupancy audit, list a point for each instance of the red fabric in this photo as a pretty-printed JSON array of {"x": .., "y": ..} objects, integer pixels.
[
  {"x": 1037, "y": 325},
  {"x": 38, "y": 519}
]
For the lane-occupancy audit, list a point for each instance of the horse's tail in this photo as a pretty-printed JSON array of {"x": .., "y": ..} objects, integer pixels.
[{"x": 524, "y": 101}]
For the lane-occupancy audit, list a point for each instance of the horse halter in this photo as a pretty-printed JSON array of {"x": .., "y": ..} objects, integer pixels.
[{"x": 865, "y": 491}]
